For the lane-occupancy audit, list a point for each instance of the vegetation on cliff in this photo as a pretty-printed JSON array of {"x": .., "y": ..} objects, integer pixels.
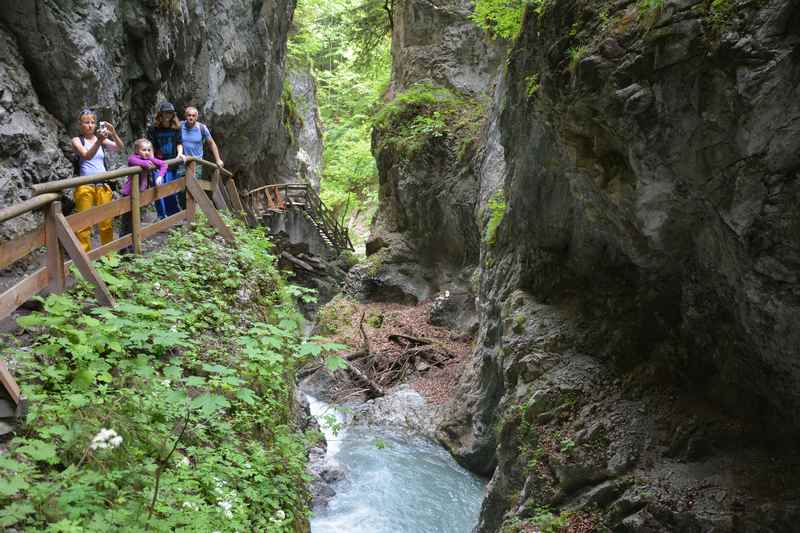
[
  {"x": 172, "y": 411},
  {"x": 425, "y": 113}
]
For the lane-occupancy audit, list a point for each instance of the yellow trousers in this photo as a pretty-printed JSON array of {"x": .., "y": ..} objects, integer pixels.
[{"x": 86, "y": 197}]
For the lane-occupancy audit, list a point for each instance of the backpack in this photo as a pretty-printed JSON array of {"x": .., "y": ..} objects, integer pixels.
[{"x": 76, "y": 159}]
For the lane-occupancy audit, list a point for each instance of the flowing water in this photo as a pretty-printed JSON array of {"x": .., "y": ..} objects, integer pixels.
[{"x": 396, "y": 484}]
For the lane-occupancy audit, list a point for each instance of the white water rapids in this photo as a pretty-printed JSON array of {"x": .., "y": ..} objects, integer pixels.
[{"x": 395, "y": 484}]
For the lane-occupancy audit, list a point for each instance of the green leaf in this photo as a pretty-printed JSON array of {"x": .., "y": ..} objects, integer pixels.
[
  {"x": 38, "y": 450},
  {"x": 195, "y": 381},
  {"x": 173, "y": 372},
  {"x": 14, "y": 513},
  {"x": 247, "y": 396},
  {"x": 217, "y": 369},
  {"x": 209, "y": 404},
  {"x": 309, "y": 348},
  {"x": 9, "y": 487},
  {"x": 83, "y": 379},
  {"x": 334, "y": 363}
]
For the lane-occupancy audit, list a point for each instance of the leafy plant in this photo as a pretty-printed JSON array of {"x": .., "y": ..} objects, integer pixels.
[
  {"x": 172, "y": 410},
  {"x": 575, "y": 54}
]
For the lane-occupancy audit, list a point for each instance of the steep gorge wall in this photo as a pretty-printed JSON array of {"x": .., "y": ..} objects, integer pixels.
[
  {"x": 636, "y": 361},
  {"x": 121, "y": 58},
  {"x": 425, "y": 231}
]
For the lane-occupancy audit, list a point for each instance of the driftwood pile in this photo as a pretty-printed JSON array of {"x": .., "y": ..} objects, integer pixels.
[{"x": 372, "y": 371}]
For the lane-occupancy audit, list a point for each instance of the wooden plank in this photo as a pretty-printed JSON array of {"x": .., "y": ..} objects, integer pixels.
[
  {"x": 7, "y": 213},
  {"x": 57, "y": 275},
  {"x": 204, "y": 184},
  {"x": 22, "y": 292},
  {"x": 163, "y": 225},
  {"x": 113, "y": 246},
  {"x": 191, "y": 205},
  {"x": 90, "y": 217},
  {"x": 152, "y": 194},
  {"x": 216, "y": 192},
  {"x": 19, "y": 247},
  {"x": 208, "y": 208},
  {"x": 233, "y": 194},
  {"x": 73, "y": 247},
  {"x": 136, "y": 212},
  {"x": 69, "y": 183},
  {"x": 9, "y": 383}
]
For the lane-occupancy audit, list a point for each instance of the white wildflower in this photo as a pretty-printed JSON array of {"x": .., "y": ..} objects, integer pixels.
[
  {"x": 188, "y": 256},
  {"x": 280, "y": 515},
  {"x": 226, "y": 508},
  {"x": 184, "y": 461},
  {"x": 166, "y": 383},
  {"x": 105, "y": 438}
]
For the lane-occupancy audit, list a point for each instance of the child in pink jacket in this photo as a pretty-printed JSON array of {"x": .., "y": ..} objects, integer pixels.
[{"x": 143, "y": 157}]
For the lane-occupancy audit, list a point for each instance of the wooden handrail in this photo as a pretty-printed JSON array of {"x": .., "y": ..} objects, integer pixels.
[
  {"x": 37, "y": 202},
  {"x": 69, "y": 183},
  {"x": 209, "y": 164}
]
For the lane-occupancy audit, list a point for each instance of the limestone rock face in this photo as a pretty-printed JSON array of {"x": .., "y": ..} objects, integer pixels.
[
  {"x": 436, "y": 42},
  {"x": 29, "y": 140},
  {"x": 226, "y": 57},
  {"x": 425, "y": 228},
  {"x": 305, "y": 160},
  {"x": 649, "y": 174}
]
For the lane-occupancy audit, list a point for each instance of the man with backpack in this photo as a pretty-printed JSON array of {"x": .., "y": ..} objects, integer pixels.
[{"x": 194, "y": 135}]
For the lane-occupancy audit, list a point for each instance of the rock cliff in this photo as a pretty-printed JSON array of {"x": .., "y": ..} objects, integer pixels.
[
  {"x": 634, "y": 195},
  {"x": 425, "y": 145},
  {"x": 121, "y": 58}
]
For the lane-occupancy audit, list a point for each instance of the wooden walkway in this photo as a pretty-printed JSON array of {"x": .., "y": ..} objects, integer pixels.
[
  {"x": 57, "y": 234},
  {"x": 302, "y": 197}
]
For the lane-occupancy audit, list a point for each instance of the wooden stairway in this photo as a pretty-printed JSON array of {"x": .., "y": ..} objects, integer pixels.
[{"x": 300, "y": 196}]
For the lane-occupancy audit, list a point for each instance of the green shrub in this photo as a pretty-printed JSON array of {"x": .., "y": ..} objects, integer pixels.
[
  {"x": 424, "y": 114},
  {"x": 172, "y": 410}
]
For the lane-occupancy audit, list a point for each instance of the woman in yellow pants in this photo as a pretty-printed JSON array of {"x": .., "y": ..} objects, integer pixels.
[{"x": 90, "y": 147}]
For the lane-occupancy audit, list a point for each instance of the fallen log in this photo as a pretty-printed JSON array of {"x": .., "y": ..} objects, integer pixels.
[
  {"x": 297, "y": 262},
  {"x": 405, "y": 340},
  {"x": 374, "y": 390}
]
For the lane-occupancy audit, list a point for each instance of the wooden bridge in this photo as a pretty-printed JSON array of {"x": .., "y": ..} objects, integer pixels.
[
  {"x": 300, "y": 196},
  {"x": 57, "y": 233}
]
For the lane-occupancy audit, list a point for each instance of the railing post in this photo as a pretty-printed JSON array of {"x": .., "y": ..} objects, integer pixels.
[
  {"x": 136, "y": 213},
  {"x": 55, "y": 253},
  {"x": 191, "y": 206},
  {"x": 216, "y": 190}
]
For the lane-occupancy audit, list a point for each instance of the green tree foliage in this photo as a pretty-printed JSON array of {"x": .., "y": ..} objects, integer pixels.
[
  {"x": 503, "y": 18},
  {"x": 171, "y": 411},
  {"x": 345, "y": 43}
]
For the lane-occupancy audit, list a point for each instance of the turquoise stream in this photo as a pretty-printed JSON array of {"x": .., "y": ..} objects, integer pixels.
[{"x": 398, "y": 484}]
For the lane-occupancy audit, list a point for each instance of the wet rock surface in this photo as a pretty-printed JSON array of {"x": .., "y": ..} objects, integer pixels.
[
  {"x": 425, "y": 228},
  {"x": 638, "y": 308}
]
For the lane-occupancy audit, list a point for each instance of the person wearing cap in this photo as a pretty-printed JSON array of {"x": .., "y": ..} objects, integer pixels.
[
  {"x": 165, "y": 134},
  {"x": 195, "y": 135}
]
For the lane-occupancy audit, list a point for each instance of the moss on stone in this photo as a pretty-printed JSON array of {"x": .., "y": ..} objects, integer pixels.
[
  {"x": 497, "y": 211},
  {"x": 425, "y": 113},
  {"x": 334, "y": 316}
]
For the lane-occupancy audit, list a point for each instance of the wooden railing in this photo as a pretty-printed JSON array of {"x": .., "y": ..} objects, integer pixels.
[
  {"x": 57, "y": 233},
  {"x": 279, "y": 197}
]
